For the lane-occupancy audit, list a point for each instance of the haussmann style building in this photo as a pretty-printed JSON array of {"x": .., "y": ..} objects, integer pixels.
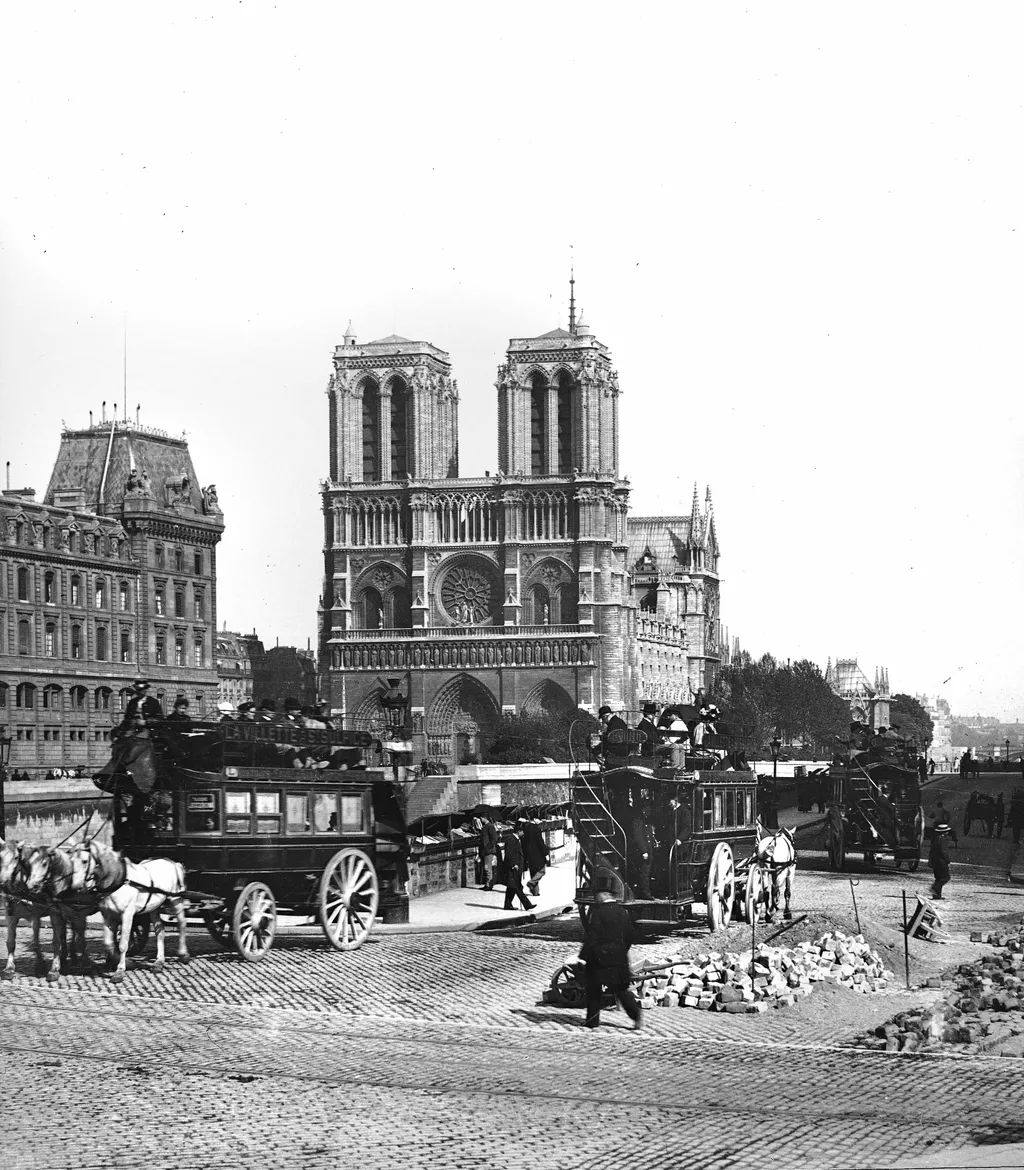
[
  {"x": 532, "y": 589},
  {"x": 112, "y": 574}
]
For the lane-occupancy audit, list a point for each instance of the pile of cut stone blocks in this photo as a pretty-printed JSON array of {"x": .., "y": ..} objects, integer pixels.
[{"x": 746, "y": 982}]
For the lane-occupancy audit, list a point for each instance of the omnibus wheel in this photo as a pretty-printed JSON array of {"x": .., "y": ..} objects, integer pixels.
[
  {"x": 721, "y": 887},
  {"x": 254, "y": 922},
  {"x": 753, "y": 894},
  {"x": 347, "y": 899},
  {"x": 218, "y": 923},
  {"x": 567, "y": 989}
]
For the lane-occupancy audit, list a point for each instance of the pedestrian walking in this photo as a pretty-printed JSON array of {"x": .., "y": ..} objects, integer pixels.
[
  {"x": 514, "y": 871},
  {"x": 931, "y": 767},
  {"x": 536, "y": 852},
  {"x": 608, "y": 935},
  {"x": 488, "y": 850},
  {"x": 1000, "y": 815},
  {"x": 938, "y": 857}
]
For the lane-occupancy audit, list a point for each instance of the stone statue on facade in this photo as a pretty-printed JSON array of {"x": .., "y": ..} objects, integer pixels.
[{"x": 210, "y": 499}]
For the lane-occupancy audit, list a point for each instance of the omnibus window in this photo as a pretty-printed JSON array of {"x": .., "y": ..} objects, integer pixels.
[
  {"x": 295, "y": 808},
  {"x": 353, "y": 814},
  {"x": 750, "y": 808},
  {"x": 325, "y": 812},
  {"x": 238, "y": 812},
  {"x": 730, "y": 807},
  {"x": 719, "y": 817},
  {"x": 268, "y": 812},
  {"x": 202, "y": 814},
  {"x": 708, "y": 822}
]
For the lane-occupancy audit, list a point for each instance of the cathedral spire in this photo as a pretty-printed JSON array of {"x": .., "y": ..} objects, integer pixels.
[
  {"x": 572, "y": 300},
  {"x": 695, "y": 515}
]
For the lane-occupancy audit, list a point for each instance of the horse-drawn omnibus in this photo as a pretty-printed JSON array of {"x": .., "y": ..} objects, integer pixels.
[
  {"x": 693, "y": 809},
  {"x": 263, "y": 817},
  {"x": 875, "y": 804}
]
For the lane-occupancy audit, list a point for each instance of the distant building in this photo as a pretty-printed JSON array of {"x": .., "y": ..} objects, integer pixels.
[
  {"x": 284, "y": 672},
  {"x": 941, "y": 749},
  {"x": 236, "y": 654},
  {"x": 111, "y": 575},
  {"x": 869, "y": 704}
]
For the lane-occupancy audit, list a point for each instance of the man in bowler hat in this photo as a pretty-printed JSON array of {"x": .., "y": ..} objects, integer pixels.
[{"x": 938, "y": 856}]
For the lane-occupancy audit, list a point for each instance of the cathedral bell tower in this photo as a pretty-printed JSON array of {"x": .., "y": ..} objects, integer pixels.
[
  {"x": 558, "y": 405},
  {"x": 393, "y": 412}
]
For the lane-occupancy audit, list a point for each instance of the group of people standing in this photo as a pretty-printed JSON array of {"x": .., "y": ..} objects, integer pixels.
[{"x": 506, "y": 858}]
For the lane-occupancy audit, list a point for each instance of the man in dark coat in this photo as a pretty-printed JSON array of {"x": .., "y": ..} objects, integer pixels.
[
  {"x": 649, "y": 729},
  {"x": 609, "y": 934},
  {"x": 640, "y": 851},
  {"x": 938, "y": 857},
  {"x": 142, "y": 703},
  {"x": 536, "y": 852},
  {"x": 488, "y": 850},
  {"x": 514, "y": 871},
  {"x": 614, "y": 748}
]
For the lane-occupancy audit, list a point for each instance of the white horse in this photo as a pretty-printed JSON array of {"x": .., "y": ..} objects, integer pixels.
[
  {"x": 147, "y": 885},
  {"x": 22, "y": 868},
  {"x": 775, "y": 853}
]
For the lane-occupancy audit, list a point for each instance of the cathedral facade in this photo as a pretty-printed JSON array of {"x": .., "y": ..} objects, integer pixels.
[{"x": 524, "y": 591}]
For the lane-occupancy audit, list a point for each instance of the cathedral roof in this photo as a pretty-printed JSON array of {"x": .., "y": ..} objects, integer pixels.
[
  {"x": 392, "y": 339},
  {"x": 556, "y": 333},
  {"x": 665, "y": 537}
]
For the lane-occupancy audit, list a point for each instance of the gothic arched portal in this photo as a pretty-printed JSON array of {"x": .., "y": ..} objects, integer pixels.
[{"x": 462, "y": 721}]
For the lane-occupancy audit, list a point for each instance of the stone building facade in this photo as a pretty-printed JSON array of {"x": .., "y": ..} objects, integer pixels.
[
  {"x": 869, "y": 704},
  {"x": 112, "y": 574},
  {"x": 236, "y": 654},
  {"x": 527, "y": 590}
]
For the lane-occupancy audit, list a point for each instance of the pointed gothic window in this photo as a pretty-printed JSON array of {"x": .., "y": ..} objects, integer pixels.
[
  {"x": 399, "y": 429},
  {"x": 371, "y": 431},
  {"x": 564, "y": 423},
  {"x": 538, "y": 425}
]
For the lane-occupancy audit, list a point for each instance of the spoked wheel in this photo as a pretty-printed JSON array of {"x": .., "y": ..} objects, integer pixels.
[
  {"x": 254, "y": 922},
  {"x": 568, "y": 989},
  {"x": 753, "y": 894},
  {"x": 218, "y": 923},
  {"x": 721, "y": 890},
  {"x": 348, "y": 899},
  {"x": 139, "y": 936},
  {"x": 836, "y": 844}
]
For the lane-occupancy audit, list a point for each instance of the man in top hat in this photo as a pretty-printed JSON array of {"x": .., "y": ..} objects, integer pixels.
[
  {"x": 267, "y": 712},
  {"x": 245, "y": 711},
  {"x": 608, "y": 935},
  {"x": 293, "y": 709},
  {"x": 938, "y": 856},
  {"x": 142, "y": 703},
  {"x": 647, "y": 725},
  {"x": 180, "y": 713}
]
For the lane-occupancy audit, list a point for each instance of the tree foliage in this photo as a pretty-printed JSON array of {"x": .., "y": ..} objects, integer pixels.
[
  {"x": 913, "y": 721},
  {"x": 529, "y": 739},
  {"x": 763, "y": 697}
]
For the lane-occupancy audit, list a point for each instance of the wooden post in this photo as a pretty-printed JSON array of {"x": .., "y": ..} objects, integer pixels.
[
  {"x": 906, "y": 940},
  {"x": 856, "y": 913}
]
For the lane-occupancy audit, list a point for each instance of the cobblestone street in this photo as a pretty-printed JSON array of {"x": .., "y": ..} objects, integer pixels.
[{"x": 433, "y": 1050}]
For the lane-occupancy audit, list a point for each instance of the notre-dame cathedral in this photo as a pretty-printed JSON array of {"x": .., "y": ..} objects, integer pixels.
[{"x": 530, "y": 589}]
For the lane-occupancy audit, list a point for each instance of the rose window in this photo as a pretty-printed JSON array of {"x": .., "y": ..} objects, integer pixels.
[{"x": 469, "y": 596}]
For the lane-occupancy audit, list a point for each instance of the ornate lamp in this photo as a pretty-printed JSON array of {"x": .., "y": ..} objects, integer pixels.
[
  {"x": 776, "y": 747},
  {"x": 394, "y": 704}
]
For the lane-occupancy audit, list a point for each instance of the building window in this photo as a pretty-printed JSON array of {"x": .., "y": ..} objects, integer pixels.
[
  {"x": 179, "y": 603},
  {"x": 25, "y": 697},
  {"x": 50, "y": 589},
  {"x": 76, "y": 590},
  {"x": 101, "y": 699},
  {"x": 199, "y": 608},
  {"x": 198, "y": 651},
  {"x": 158, "y": 556},
  {"x": 72, "y": 540},
  {"x": 197, "y": 564},
  {"x": 101, "y": 594},
  {"x": 51, "y": 698},
  {"x": 3, "y": 696},
  {"x": 23, "y": 585},
  {"x": 24, "y": 637},
  {"x": 201, "y": 705},
  {"x": 76, "y": 641},
  {"x": 179, "y": 561},
  {"x": 399, "y": 429},
  {"x": 159, "y": 602},
  {"x": 126, "y": 646},
  {"x": 101, "y": 643},
  {"x": 371, "y": 431},
  {"x": 124, "y": 596},
  {"x": 179, "y": 651},
  {"x": 78, "y": 696},
  {"x": 538, "y": 425},
  {"x": 564, "y": 423},
  {"x": 50, "y": 640},
  {"x": 161, "y": 649}
]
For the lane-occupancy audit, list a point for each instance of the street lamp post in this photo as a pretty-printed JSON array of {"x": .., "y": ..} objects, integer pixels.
[
  {"x": 5, "y": 759},
  {"x": 776, "y": 747},
  {"x": 1006, "y": 758}
]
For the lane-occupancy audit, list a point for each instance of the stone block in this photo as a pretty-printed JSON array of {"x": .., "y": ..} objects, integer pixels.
[{"x": 691, "y": 1001}]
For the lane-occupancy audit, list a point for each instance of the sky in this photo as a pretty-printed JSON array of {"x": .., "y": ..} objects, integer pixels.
[{"x": 798, "y": 227}]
